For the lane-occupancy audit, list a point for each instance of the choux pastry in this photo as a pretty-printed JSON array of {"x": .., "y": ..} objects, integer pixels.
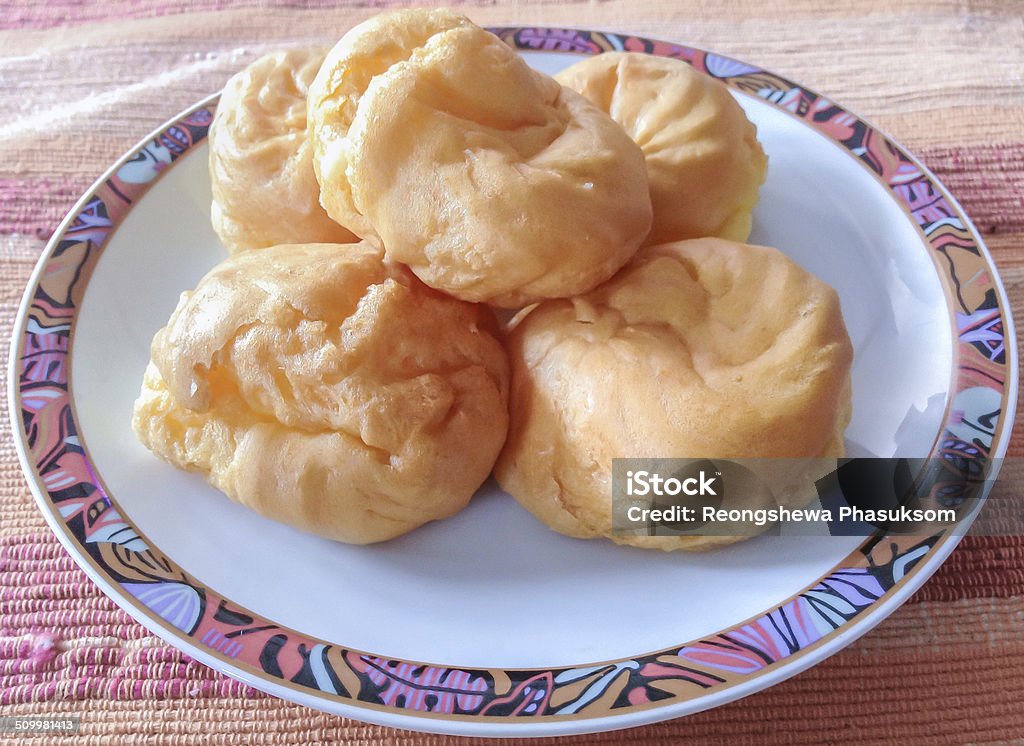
[
  {"x": 261, "y": 169},
  {"x": 704, "y": 162},
  {"x": 328, "y": 390},
  {"x": 488, "y": 179},
  {"x": 697, "y": 349}
]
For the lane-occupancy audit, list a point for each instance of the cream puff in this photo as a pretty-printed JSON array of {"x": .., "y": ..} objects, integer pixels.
[
  {"x": 328, "y": 390},
  {"x": 490, "y": 180},
  {"x": 704, "y": 163},
  {"x": 697, "y": 349},
  {"x": 261, "y": 169}
]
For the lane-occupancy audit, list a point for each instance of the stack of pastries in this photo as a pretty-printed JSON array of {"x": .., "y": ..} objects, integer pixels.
[{"x": 384, "y": 203}]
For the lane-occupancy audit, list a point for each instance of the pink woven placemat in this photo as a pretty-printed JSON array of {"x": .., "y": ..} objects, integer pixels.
[{"x": 80, "y": 82}]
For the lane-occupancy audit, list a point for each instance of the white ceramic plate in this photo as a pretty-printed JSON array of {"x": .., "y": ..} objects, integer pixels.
[{"x": 489, "y": 623}]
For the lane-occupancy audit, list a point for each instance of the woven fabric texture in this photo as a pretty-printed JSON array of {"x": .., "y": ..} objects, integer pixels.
[{"x": 82, "y": 80}]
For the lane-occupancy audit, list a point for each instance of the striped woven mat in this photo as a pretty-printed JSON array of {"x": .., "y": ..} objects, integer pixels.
[{"x": 83, "y": 80}]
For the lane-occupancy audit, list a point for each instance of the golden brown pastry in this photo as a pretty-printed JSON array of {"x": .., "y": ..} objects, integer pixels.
[
  {"x": 261, "y": 170},
  {"x": 327, "y": 390},
  {"x": 488, "y": 179},
  {"x": 701, "y": 348},
  {"x": 704, "y": 162}
]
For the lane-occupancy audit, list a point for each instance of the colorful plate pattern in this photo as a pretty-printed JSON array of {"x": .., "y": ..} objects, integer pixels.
[{"x": 183, "y": 610}]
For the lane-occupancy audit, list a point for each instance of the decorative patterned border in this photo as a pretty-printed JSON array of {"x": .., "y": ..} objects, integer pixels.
[{"x": 185, "y": 609}]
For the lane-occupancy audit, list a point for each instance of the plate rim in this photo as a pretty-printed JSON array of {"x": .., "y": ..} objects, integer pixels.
[{"x": 478, "y": 724}]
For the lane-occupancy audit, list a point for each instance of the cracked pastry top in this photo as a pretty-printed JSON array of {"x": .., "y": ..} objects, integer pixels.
[
  {"x": 328, "y": 390},
  {"x": 696, "y": 349},
  {"x": 488, "y": 179},
  {"x": 261, "y": 169},
  {"x": 704, "y": 162}
]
